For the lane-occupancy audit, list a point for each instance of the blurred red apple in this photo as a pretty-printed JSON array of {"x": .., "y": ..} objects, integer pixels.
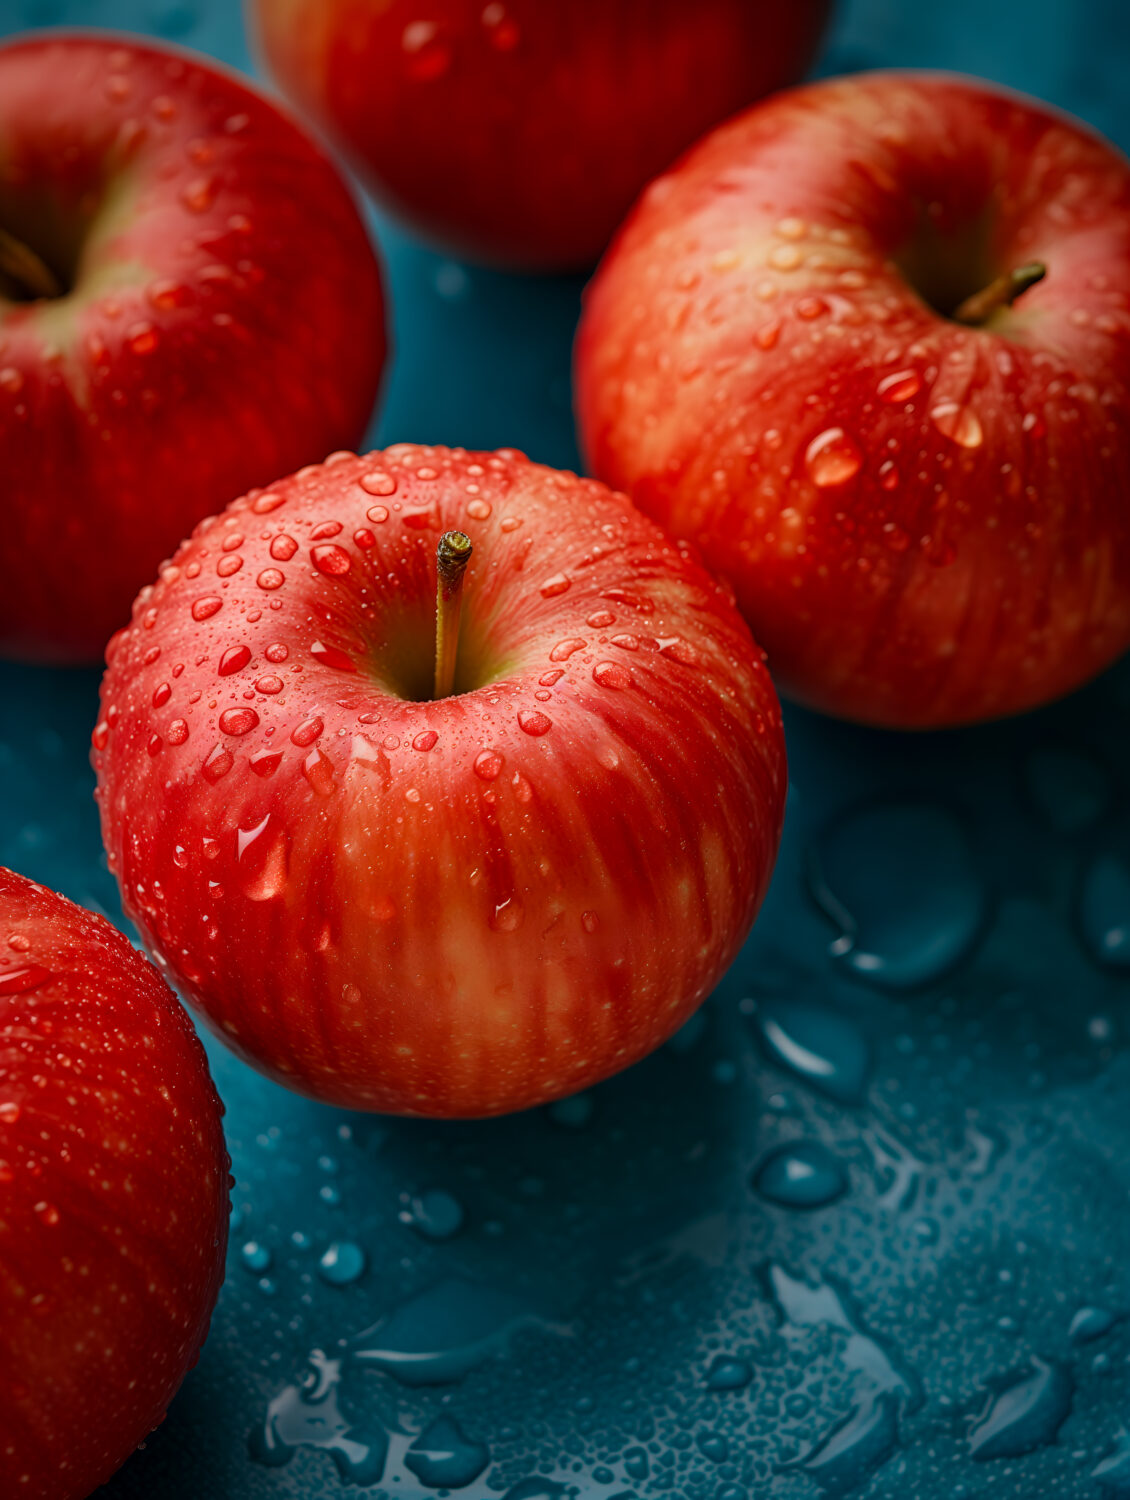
[
  {"x": 800, "y": 353},
  {"x": 521, "y": 132},
  {"x": 113, "y": 1196},
  {"x": 188, "y": 305},
  {"x": 452, "y": 906}
]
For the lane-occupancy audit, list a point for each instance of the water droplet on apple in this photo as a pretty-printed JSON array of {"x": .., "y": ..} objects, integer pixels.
[
  {"x": 612, "y": 674},
  {"x": 199, "y": 194},
  {"x": 832, "y": 458},
  {"x": 271, "y": 579},
  {"x": 307, "y": 732},
  {"x": 508, "y": 915},
  {"x": 565, "y": 649},
  {"x": 330, "y": 656},
  {"x": 276, "y": 652},
  {"x": 24, "y": 977},
  {"x": 425, "y": 53},
  {"x": 206, "y": 607},
  {"x": 234, "y": 659},
  {"x": 958, "y": 423},
  {"x": 555, "y": 585},
  {"x": 177, "y": 732},
  {"x": 902, "y": 386},
  {"x": 268, "y": 501},
  {"x": 265, "y": 762},
  {"x": 488, "y": 765},
  {"x": 238, "y": 721},
  {"x": 161, "y": 695},
  {"x": 142, "y": 338},
  {"x": 9, "y": 1109},
  {"x": 802, "y": 1174},
  {"x": 532, "y": 721},
  {"x": 217, "y": 765},
  {"x": 318, "y": 770},
  {"x": 331, "y": 559},
  {"x": 378, "y": 482},
  {"x": 283, "y": 547},
  {"x": 425, "y": 740}
]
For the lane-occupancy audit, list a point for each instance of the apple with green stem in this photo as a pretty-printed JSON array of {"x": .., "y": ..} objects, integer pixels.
[
  {"x": 113, "y": 1196},
  {"x": 449, "y": 861},
  {"x": 189, "y": 305},
  {"x": 868, "y": 345}
]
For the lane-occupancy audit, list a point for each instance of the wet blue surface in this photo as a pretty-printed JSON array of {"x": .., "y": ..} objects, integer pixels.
[{"x": 596, "y": 1298}]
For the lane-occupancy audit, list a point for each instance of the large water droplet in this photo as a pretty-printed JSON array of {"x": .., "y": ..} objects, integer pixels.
[
  {"x": 899, "y": 882},
  {"x": 443, "y": 1457},
  {"x": 1113, "y": 1472},
  {"x": 832, "y": 457},
  {"x": 1104, "y": 910},
  {"x": 802, "y": 1174},
  {"x": 958, "y": 423},
  {"x": 438, "y": 1336},
  {"x": 434, "y": 1214},
  {"x": 825, "y": 1049},
  {"x": 726, "y": 1373},
  {"x": 1024, "y": 1412},
  {"x": 902, "y": 385},
  {"x": 852, "y": 1450},
  {"x": 1070, "y": 790},
  {"x": 1090, "y": 1323},
  {"x": 342, "y": 1263},
  {"x": 306, "y": 1415},
  {"x": 23, "y": 977}
]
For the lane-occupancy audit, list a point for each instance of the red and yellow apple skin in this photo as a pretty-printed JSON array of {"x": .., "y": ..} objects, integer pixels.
[
  {"x": 925, "y": 523},
  {"x": 224, "y": 324},
  {"x": 453, "y": 907},
  {"x": 113, "y": 1196},
  {"x": 521, "y": 132}
]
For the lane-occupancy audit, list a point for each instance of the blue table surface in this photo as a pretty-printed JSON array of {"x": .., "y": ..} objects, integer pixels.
[{"x": 928, "y": 1032}]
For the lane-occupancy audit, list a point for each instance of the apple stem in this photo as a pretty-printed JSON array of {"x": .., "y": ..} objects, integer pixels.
[
  {"x": 20, "y": 265},
  {"x": 1002, "y": 292},
  {"x": 452, "y": 556}
]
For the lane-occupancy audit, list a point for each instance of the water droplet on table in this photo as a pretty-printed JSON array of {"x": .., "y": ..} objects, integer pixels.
[
  {"x": 434, "y": 1214},
  {"x": 899, "y": 881},
  {"x": 342, "y": 1263},
  {"x": 443, "y": 1457},
  {"x": 441, "y": 1334},
  {"x": 1104, "y": 910},
  {"x": 306, "y": 1415},
  {"x": 1024, "y": 1411},
  {"x": 803, "y": 1174},
  {"x": 823, "y": 1048}
]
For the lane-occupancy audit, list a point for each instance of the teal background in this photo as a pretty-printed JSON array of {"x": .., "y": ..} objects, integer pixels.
[{"x": 926, "y": 1042}]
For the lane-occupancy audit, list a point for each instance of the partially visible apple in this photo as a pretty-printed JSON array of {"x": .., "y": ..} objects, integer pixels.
[
  {"x": 189, "y": 305},
  {"x": 113, "y": 1196},
  {"x": 801, "y": 353},
  {"x": 521, "y": 132},
  {"x": 458, "y": 905}
]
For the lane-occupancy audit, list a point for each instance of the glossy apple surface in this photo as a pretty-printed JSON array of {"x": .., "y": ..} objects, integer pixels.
[
  {"x": 925, "y": 522},
  {"x": 214, "y": 319},
  {"x": 453, "y": 907},
  {"x": 521, "y": 132},
  {"x": 113, "y": 1196}
]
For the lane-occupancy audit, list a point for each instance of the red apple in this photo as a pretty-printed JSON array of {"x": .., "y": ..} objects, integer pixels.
[
  {"x": 918, "y": 492},
  {"x": 113, "y": 1196},
  {"x": 521, "y": 132},
  {"x": 452, "y": 906},
  {"x": 189, "y": 305}
]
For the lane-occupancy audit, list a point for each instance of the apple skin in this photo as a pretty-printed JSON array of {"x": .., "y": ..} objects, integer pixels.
[
  {"x": 456, "y": 907},
  {"x": 225, "y": 326},
  {"x": 925, "y": 523},
  {"x": 521, "y": 133},
  {"x": 113, "y": 1196}
]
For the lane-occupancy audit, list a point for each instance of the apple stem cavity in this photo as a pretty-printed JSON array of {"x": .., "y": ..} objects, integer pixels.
[
  {"x": 1002, "y": 292},
  {"x": 452, "y": 556},
  {"x": 28, "y": 276}
]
